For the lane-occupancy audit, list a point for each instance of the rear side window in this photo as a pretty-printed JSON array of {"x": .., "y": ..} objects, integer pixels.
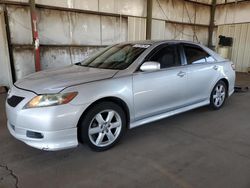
[
  {"x": 167, "y": 56},
  {"x": 196, "y": 55}
]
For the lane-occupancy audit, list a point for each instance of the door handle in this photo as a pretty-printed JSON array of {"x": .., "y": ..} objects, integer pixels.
[
  {"x": 215, "y": 67},
  {"x": 181, "y": 74}
]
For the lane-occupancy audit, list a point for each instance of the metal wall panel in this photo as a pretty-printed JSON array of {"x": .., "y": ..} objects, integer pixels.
[
  {"x": 204, "y": 1},
  {"x": 108, "y": 6},
  {"x": 55, "y": 57},
  {"x": 52, "y": 57},
  {"x": 61, "y": 27},
  {"x": 232, "y": 13},
  {"x": 158, "y": 29},
  {"x": 22, "y": 1},
  {"x": 54, "y": 27},
  {"x": 24, "y": 62},
  {"x": 136, "y": 28},
  {"x": 77, "y": 4},
  {"x": 5, "y": 70},
  {"x": 124, "y": 7},
  {"x": 181, "y": 11},
  {"x": 114, "y": 29},
  {"x": 228, "y": 1},
  {"x": 240, "y": 52},
  {"x": 85, "y": 29},
  {"x": 132, "y": 7},
  {"x": 20, "y": 24},
  {"x": 171, "y": 31}
]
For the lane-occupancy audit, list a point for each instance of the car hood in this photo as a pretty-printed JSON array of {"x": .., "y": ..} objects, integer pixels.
[{"x": 54, "y": 80}]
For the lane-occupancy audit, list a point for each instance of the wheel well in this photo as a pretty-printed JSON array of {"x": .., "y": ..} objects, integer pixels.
[
  {"x": 226, "y": 82},
  {"x": 115, "y": 100}
]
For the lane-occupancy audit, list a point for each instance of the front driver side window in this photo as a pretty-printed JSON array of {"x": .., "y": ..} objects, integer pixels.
[{"x": 167, "y": 56}]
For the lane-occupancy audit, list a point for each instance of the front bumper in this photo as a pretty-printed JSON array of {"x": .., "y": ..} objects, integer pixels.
[
  {"x": 51, "y": 141},
  {"x": 56, "y": 126}
]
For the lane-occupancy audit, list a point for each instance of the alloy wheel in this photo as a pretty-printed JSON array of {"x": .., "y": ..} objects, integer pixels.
[
  {"x": 219, "y": 95},
  {"x": 104, "y": 128}
]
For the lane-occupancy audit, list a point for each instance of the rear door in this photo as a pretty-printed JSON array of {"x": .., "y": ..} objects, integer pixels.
[
  {"x": 202, "y": 73},
  {"x": 163, "y": 90}
]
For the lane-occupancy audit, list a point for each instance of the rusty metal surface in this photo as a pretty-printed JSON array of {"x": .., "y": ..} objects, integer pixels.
[
  {"x": 64, "y": 28},
  {"x": 5, "y": 68},
  {"x": 114, "y": 30},
  {"x": 181, "y": 11},
  {"x": 163, "y": 30},
  {"x": 61, "y": 27},
  {"x": 24, "y": 62},
  {"x": 20, "y": 25},
  {"x": 52, "y": 57},
  {"x": 126, "y": 7}
]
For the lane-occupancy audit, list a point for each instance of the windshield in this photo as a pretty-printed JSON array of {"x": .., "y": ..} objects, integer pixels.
[{"x": 118, "y": 57}]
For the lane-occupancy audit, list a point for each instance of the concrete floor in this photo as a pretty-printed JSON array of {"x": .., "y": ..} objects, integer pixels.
[{"x": 200, "y": 149}]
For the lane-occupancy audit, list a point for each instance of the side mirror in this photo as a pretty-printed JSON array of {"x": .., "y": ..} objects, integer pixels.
[{"x": 150, "y": 66}]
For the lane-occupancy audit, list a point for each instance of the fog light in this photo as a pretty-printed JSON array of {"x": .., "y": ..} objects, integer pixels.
[{"x": 32, "y": 134}]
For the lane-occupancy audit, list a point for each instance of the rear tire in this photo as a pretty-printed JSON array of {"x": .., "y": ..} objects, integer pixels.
[
  {"x": 103, "y": 126},
  {"x": 218, "y": 95}
]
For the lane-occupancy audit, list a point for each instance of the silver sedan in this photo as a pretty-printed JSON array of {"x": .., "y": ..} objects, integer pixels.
[{"x": 121, "y": 87}]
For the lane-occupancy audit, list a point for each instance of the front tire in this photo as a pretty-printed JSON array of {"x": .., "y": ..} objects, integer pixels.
[
  {"x": 218, "y": 95},
  {"x": 103, "y": 126}
]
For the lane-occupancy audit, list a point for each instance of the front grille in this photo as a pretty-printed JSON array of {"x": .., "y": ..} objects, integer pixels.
[{"x": 14, "y": 100}]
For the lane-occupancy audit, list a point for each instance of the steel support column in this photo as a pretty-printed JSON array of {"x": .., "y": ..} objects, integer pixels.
[
  {"x": 149, "y": 19},
  {"x": 35, "y": 35},
  {"x": 10, "y": 49},
  {"x": 211, "y": 25}
]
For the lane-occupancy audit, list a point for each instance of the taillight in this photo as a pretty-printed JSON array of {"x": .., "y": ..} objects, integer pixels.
[{"x": 233, "y": 66}]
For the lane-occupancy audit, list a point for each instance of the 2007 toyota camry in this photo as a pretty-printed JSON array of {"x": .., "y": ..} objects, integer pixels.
[{"x": 121, "y": 87}]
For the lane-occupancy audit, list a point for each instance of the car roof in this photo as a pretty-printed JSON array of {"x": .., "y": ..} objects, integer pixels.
[{"x": 159, "y": 42}]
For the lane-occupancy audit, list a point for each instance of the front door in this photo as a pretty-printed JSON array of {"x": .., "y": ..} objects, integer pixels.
[{"x": 163, "y": 90}]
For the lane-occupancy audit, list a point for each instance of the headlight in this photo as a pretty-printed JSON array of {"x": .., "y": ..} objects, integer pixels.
[{"x": 50, "y": 100}]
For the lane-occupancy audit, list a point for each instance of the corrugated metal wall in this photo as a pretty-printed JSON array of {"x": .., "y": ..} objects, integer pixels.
[
  {"x": 178, "y": 19},
  {"x": 232, "y": 13},
  {"x": 233, "y": 21},
  {"x": 240, "y": 52},
  {"x": 136, "y": 28},
  {"x": 68, "y": 35},
  {"x": 5, "y": 73}
]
